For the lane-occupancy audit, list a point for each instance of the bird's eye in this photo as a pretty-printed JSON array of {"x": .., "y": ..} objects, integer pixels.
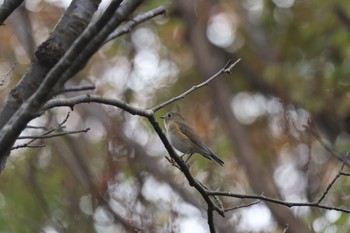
[{"x": 169, "y": 115}]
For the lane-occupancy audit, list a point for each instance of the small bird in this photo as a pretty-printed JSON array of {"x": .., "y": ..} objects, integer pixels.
[{"x": 183, "y": 138}]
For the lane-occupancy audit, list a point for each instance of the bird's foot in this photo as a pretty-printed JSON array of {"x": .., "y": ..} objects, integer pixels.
[{"x": 172, "y": 161}]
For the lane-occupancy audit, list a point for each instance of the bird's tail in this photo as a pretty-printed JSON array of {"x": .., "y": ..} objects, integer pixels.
[
  {"x": 216, "y": 159},
  {"x": 212, "y": 155},
  {"x": 206, "y": 152}
]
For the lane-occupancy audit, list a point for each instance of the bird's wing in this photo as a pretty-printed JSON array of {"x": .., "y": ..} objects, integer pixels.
[{"x": 190, "y": 133}]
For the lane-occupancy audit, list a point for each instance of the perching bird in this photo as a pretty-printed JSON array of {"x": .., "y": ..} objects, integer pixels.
[{"x": 184, "y": 138}]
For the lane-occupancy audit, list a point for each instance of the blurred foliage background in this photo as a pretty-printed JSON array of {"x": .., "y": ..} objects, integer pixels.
[{"x": 295, "y": 66}]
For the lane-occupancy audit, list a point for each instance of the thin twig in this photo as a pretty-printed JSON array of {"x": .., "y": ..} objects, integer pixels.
[
  {"x": 312, "y": 130},
  {"x": 5, "y": 77},
  {"x": 345, "y": 174},
  {"x": 333, "y": 181},
  {"x": 226, "y": 69},
  {"x": 277, "y": 201},
  {"x": 79, "y": 88},
  {"x": 71, "y": 102},
  {"x": 36, "y": 127},
  {"x": 242, "y": 206},
  {"x": 48, "y": 131},
  {"x": 127, "y": 27},
  {"x": 220, "y": 208},
  {"x": 54, "y": 135},
  {"x": 64, "y": 120},
  {"x": 27, "y": 144},
  {"x": 292, "y": 204}
]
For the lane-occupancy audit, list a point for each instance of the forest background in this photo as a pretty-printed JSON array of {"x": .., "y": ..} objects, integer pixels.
[{"x": 80, "y": 142}]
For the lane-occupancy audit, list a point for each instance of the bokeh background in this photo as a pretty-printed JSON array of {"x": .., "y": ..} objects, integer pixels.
[{"x": 294, "y": 68}]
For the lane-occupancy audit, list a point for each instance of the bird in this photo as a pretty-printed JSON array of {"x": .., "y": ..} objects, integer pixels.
[{"x": 185, "y": 139}]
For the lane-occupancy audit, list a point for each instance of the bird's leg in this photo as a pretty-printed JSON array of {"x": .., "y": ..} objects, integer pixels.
[
  {"x": 172, "y": 162},
  {"x": 183, "y": 155},
  {"x": 188, "y": 158}
]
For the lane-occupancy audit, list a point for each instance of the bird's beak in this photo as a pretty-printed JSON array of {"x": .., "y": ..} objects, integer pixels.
[{"x": 163, "y": 117}]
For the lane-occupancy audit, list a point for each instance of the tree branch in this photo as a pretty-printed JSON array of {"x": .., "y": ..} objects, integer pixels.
[
  {"x": 292, "y": 204},
  {"x": 7, "y": 7},
  {"x": 79, "y": 88},
  {"x": 277, "y": 201},
  {"x": 242, "y": 206},
  {"x": 69, "y": 64},
  {"x": 226, "y": 69},
  {"x": 4, "y": 78},
  {"x": 47, "y": 134},
  {"x": 71, "y": 102},
  {"x": 70, "y": 26},
  {"x": 134, "y": 22},
  {"x": 54, "y": 135},
  {"x": 211, "y": 219},
  {"x": 310, "y": 128},
  {"x": 73, "y": 22},
  {"x": 334, "y": 180}
]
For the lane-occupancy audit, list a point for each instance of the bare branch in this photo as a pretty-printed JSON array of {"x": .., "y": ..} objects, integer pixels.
[
  {"x": 312, "y": 130},
  {"x": 90, "y": 41},
  {"x": 292, "y": 204},
  {"x": 77, "y": 16},
  {"x": 55, "y": 135},
  {"x": 71, "y": 102},
  {"x": 69, "y": 64},
  {"x": 134, "y": 22},
  {"x": 5, "y": 77},
  {"x": 27, "y": 145},
  {"x": 333, "y": 181},
  {"x": 277, "y": 201},
  {"x": 36, "y": 127},
  {"x": 43, "y": 135},
  {"x": 242, "y": 206},
  {"x": 79, "y": 88},
  {"x": 344, "y": 174},
  {"x": 226, "y": 69},
  {"x": 7, "y": 8},
  {"x": 211, "y": 219},
  {"x": 64, "y": 120}
]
